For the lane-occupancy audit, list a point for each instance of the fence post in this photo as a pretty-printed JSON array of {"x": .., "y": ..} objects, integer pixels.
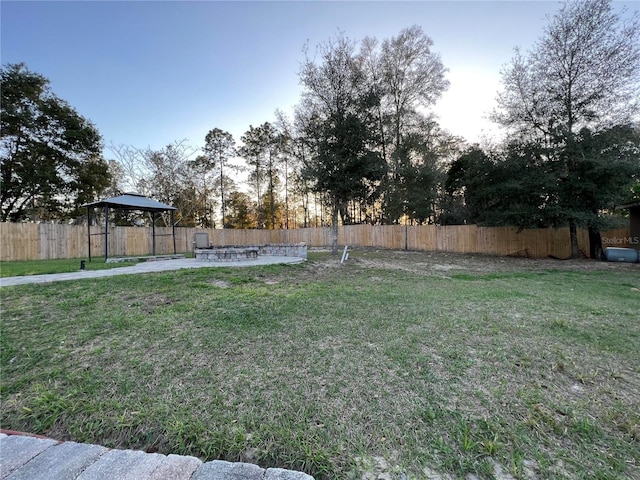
[
  {"x": 89, "y": 232},
  {"x": 406, "y": 237}
]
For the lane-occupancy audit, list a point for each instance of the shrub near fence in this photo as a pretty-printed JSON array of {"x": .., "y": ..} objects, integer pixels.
[{"x": 30, "y": 241}]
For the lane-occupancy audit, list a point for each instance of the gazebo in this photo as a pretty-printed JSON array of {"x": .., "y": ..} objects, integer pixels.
[{"x": 129, "y": 201}]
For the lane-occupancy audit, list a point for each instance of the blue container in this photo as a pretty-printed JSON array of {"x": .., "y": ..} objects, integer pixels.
[{"x": 617, "y": 254}]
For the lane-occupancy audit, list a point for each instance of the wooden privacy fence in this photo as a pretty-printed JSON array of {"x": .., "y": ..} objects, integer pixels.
[
  {"x": 30, "y": 241},
  {"x": 538, "y": 243}
]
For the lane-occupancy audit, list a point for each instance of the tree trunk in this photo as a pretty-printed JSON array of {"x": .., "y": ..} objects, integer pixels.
[
  {"x": 222, "y": 195},
  {"x": 286, "y": 194},
  {"x": 334, "y": 228},
  {"x": 272, "y": 200},
  {"x": 343, "y": 211},
  {"x": 595, "y": 244},
  {"x": 573, "y": 232}
]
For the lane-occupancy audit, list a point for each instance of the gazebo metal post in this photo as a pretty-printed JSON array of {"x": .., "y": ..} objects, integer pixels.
[
  {"x": 89, "y": 231},
  {"x": 106, "y": 233},
  {"x": 153, "y": 226},
  {"x": 173, "y": 232}
]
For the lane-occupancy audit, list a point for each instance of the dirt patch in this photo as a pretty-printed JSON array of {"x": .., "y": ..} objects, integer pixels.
[
  {"x": 148, "y": 303},
  {"x": 156, "y": 300},
  {"x": 447, "y": 264},
  {"x": 378, "y": 468}
]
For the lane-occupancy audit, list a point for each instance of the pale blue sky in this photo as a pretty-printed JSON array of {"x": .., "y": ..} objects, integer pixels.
[{"x": 147, "y": 73}]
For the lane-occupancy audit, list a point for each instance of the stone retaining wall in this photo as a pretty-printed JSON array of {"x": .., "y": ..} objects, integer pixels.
[
  {"x": 282, "y": 249},
  {"x": 236, "y": 253}
]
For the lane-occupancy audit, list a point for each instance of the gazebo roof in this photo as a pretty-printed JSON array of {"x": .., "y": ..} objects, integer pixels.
[{"x": 132, "y": 201}]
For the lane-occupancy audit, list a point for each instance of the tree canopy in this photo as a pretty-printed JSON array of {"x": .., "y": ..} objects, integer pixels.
[
  {"x": 579, "y": 84},
  {"x": 584, "y": 71},
  {"x": 51, "y": 156},
  {"x": 337, "y": 113},
  {"x": 363, "y": 145}
]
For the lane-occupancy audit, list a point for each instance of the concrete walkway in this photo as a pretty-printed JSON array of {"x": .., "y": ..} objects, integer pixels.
[
  {"x": 144, "y": 267},
  {"x": 28, "y": 458}
]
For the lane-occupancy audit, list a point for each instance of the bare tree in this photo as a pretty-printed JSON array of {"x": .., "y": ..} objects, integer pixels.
[
  {"x": 131, "y": 167},
  {"x": 218, "y": 149},
  {"x": 164, "y": 174},
  {"x": 286, "y": 153},
  {"x": 411, "y": 79}
]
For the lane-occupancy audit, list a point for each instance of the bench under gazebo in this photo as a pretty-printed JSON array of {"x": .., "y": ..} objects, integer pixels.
[{"x": 129, "y": 201}]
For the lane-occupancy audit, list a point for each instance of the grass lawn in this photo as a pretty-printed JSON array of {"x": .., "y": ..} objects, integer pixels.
[
  {"x": 405, "y": 364},
  {"x": 40, "y": 267}
]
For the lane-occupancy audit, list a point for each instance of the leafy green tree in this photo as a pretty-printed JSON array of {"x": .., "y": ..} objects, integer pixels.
[
  {"x": 241, "y": 213},
  {"x": 500, "y": 188},
  {"x": 526, "y": 185},
  {"x": 584, "y": 72},
  {"x": 464, "y": 188},
  {"x": 344, "y": 163},
  {"x": 412, "y": 191},
  {"x": 521, "y": 188},
  {"x": 605, "y": 175},
  {"x": 274, "y": 212},
  {"x": 50, "y": 155}
]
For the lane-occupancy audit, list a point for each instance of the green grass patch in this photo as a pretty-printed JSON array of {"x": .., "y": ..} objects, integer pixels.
[
  {"x": 64, "y": 265},
  {"x": 41, "y": 267},
  {"x": 386, "y": 363}
]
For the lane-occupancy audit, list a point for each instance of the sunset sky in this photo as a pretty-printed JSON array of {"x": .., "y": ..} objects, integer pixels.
[{"x": 149, "y": 73}]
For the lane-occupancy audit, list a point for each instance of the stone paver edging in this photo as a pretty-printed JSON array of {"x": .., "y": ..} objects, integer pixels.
[{"x": 29, "y": 458}]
